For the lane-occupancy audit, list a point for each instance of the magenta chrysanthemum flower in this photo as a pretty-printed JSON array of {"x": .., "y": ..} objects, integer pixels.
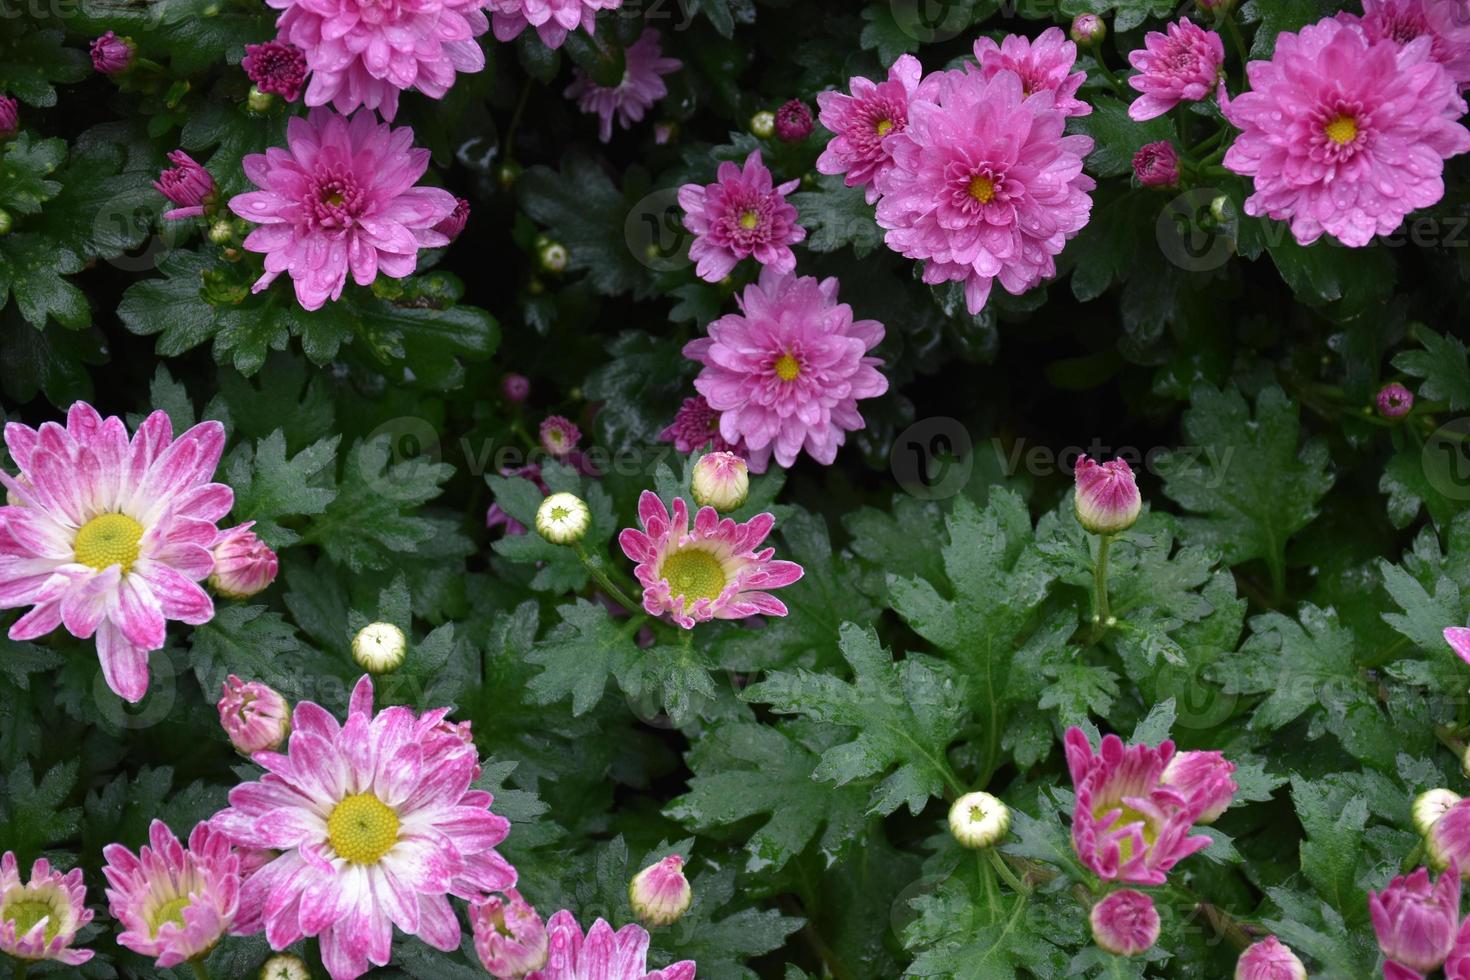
[
  {"x": 9, "y": 116},
  {"x": 510, "y": 937},
  {"x": 741, "y": 214},
  {"x": 787, "y": 371},
  {"x": 40, "y": 918},
  {"x": 340, "y": 197},
  {"x": 793, "y": 121},
  {"x": 696, "y": 426},
  {"x": 558, "y": 435},
  {"x": 984, "y": 185},
  {"x": 173, "y": 904},
  {"x": 641, "y": 87},
  {"x": 112, "y": 55},
  {"x": 603, "y": 953},
  {"x": 863, "y": 122},
  {"x": 276, "y": 67},
  {"x": 553, "y": 19},
  {"x": 1125, "y": 923},
  {"x": 1157, "y": 164},
  {"x": 1344, "y": 135},
  {"x": 1184, "y": 65},
  {"x": 1128, "y": 824},
  {"x": 254, "y": 716},
  {"x": 186, "y": 184},
  {"x": 376, "y": 824},
  {"x": 1416, "y": 922},
  {"x": 1045, "y": 65},
  {"x": 709, "y": 571},
  {"x": 1107, "y": 500},
  {"x": 109, "y": 536},
  {"x": 1269, "y": 959},
  {"x": 1445, "y": 22},
  {"x": 452, "y": 226}
]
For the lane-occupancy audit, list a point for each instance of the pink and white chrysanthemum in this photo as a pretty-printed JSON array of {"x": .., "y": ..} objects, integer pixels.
[
  {"x": 743, "y": 213},
  {"x": 1184, "y": 65},
  {"x": 862, "y": 123},
  {"x": 1045, "y": 65},
  {"x": 709, "y": 571},
  {"x": 40, "y": 918},
  {"x": 602, "y": 953},
  {"x": 641, "y": 86},
  {"x": 1445, "y": 22},
  {"x": 1128, "y": 824},
  {"x": 173, "y": 904},
  {"x": 696, "y": 426},
  {"x": 340, "y": 197},
  {"x": 553, "y": 19},
  {"x": 787, "y": 371},
  {"x": 376, "y": 826},
  {"x": 362, "y": 53},
  {"x": 1344, "y": 135},
  {"x": 107, "y": 536},
  {"x": 984, "y": 185}
]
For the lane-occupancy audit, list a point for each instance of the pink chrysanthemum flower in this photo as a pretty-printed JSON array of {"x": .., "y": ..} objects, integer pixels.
[
  {"x": 742, "y": 213},
  {"x": 174, "y": 904},
  {"x": 1125, "y": 923},
  {"x": 863, "y": 123},
  {"x": 787, "y": 371},
  {"x": 1184, "y": 65},
  {"x": 1045, "y": 65},
  {"x": 1343, "y": 135},
  {"x": 1416, "y": 922},
  {"x": 603, "y": 953},
  {"x": 1445, "y": 22},
  {"x": 109, "y": 536},
  {"x": 113, "y": 55},
  {"x": 1204, "y": 778},
  {"x": 696, "y": 426},
  {"x": 9, "y": 117},
  {"x": 709, "y": 571},
  {"x": 984, "y": 185},
  {"x": 254, "y": 716},
  {"x": 276, "y": 67},
  {"x": 510, "y": 937},
  {"x": 1269, "y": 959},
  {"x": 377, "y": 826},
  {"x": 1107, "y": 500},
  {"x": 1128, "y": 824},
  {"x": 40, "y": 918},
  {"x": 186, "y": 184},
  {"x": 340, "y": 197},
  {"x": 553, "y": 19},
  {"x": 641, "y": 87},
  {"x": 1394, "y": 401}
]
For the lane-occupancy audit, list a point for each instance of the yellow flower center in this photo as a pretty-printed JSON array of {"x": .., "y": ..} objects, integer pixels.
[
  {"x": 111, "y": 539},
  {"x": 694, "y": 574},
  {"x": 1342, "y": 130},
  {"x": 362, "y": 828},
  {"x": 982, "y": 189},
  {"x": 787, "y": 367},
  {"x": 749, "y": 219},
  {"x": 1127, "y": 816},
  {"x": 170, "y": 911},
  {"x": 26, "y": 912},
  {"x": 884, "y": 127}
]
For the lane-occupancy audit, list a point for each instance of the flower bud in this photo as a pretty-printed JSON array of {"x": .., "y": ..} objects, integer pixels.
[
  {"x": 660, "y": 893},
  {"x": 186, "y": 184},
  {"x": 259, "y": 102},
  {"x": 1107, "y": 498},
  {"x": 516, "y": 388},
  {"x": 5, "y": 225},
  {"x": 1415, "y": 922},
  {"x": 559, "y": 436},
  {"x": 1429, "y": 806},
  {"x": 721, "y": 481},
  {"x": 284, "y": 966},
  {"x": 1448, "y": 840},
  {"x": 1269, "y": 959},
  {"x": 763, "y": 124},
  {"x": 222, "y": 231},
  {"x": 1204, "y": 779},
  {"x": 979, "y": 820},
  {"x": 1220, "y": 208},
  {"x": 243, "y": 564},
  {"x": 1217, "y": 7},
  {"x": 510, "y": 937},
  {"x": 793, "y": 122},
  {"x": 255, "y": 717},
  {"x": 553, "y": 257},
  {"x": 452, "y": 226},
  {"x": 507, "y": 174},
  {"x": 9, "y": 117},
  {"x": 562, "y": 518},
  {"x": 113, "y": 55},
  {"x": 1088, "y": 30},
  {"x": 1125, "y": 923},
  {"x": 379, "y": 648},
  {"x": 1157, "y": 165},
  {"x": 1394, "y": 401}
]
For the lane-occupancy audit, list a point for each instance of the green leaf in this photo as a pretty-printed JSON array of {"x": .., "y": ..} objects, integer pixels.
[
  {"x": 582, "y": 209},
  {"x": 31, "y": 273},
  {"x": 269, "y": 487},
  {"x": 837, "y": 216},
  {"x": 1442, "y": 364},
  {"x": 30, "y": 61},
  {"x": 1333, "y": 853},
  {"x": 1116, "y": 137},
  {"x": 579, "y": 655},
  {"x": 1277, "y": 16},
  {"x": 32, "y": 814},
  {"x": 1326, "y": 271},
  {"x": 24, "y": 171}
]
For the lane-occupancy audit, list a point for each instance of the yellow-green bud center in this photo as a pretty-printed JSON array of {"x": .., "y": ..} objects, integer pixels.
[
  {"x": 982, "y": 189},
  {"x": 884, "y": 127},
  {"x": 111, "y": 539},
  {"x": 362, "y": 828},
  {"x": 170, "y": 911}
]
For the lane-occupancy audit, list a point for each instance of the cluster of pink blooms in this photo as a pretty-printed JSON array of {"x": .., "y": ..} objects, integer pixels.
[{"x": 641, "y": 86}]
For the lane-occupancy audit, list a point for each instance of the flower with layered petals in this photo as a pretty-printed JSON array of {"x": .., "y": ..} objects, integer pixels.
[
  {"x": 721, "y": 481},
  {"x": 276, "y": 67},
  {"x": 1448, "y": 839},
  {"x": 553, "y": 19},
  {"x": 1394, "y": 401},
  {"x": 660, "y": 893},
  {"x": 709, "y": 571},
  {"x": 109, "y": 537},
  {"x": 9, "y": 117},
  {"x": 602, "y": 953},
  {"x": 787, "y": 371},
  {"x": 40, "y": 918},
  {"x": 1107, "y": 498},
  {"x": 1045, "y": 65},
  {"x": 1415, "y": 922},
  {"x": 863, "y": 123},
  {"x": 452, "y": 226},
  {"x": 254, "y": 715},
  {"x": 340, "y": 197},
  {"x": 1345, "y": 135},
  {"x": 244, "y": 565},
  {"x": 1203, "y": 777},
  {"x": 1125, "y": 923},
  {"x": 697, "y": 426},
  {"x": 743, "y": 213},
  {"x": 1269, "y": 959},
  {"x": 984, "y": 185},
  {"x": 1184, "y": 65},
  {"x": 558, "y": 435},
  {"x": 640, "y": 88},
  {"x": 186, "y": 184},
  {"x": 377, "y": 826},
  {"x": 174, "y": 904},
  {"x": 1445, "y": 22},
  {"x": 510, "y": 937}
]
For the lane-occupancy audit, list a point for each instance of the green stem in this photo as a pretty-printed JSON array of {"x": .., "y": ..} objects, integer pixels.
[
  {"x": 1100, "y": 583},
  {"x": 998, "y": 862},
  {"x": 1234, "y": 30},
  {"x": 515, "y": 120},
  {"x": 1107, "y": 73},
  {"x": 200, "y": 970},
  {"x": 595, "y": 569},
  {"x": 21, "y": 969}
]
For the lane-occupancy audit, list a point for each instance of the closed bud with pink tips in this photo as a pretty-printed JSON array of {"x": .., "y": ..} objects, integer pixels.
[
  {"x": 510, "y": 937},
  {"x": 1204, "y": 777},
  {"x": 254, "y": 716},
  {"x": 1107, "y": 497},
  {"x": 1416, "y": 921},
  {"x": 1269, "y": 959},
  {"x": 244, "y": 565},
  {"x": 40, "y": 918},
  {"x": 660, "y": 894},
  {"x": 1125, "y": 923}
]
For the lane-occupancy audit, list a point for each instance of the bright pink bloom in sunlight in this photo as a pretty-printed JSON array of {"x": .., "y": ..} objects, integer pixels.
[
  {"x": 1445, "y": 22},
  {"x": 641, "y": 86},
  {"x": 696, "y": 426},
  {"x": 1416, "y": 922},
  {"x": 1125, "y": 923},
  {"x": 553, "y": 19},
  {"x": 39, "y": 918},
  {"x": 743, "y": 213},
  {"x": 602, "y": 953},
  {"x": 276, "y": 67},
  {"x": 1045, "y": 65},
  {"x": 1184, "y": 65},
  {"x": 862, "y": 123}
]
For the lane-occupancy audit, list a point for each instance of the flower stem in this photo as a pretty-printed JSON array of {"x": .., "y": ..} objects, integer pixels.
[
  {"x": 1107, "y": 73},
  {"x": 1100, "y": 584},
  {"x": 21, "y": 969},
  {"x": 1004, "y": 870},
  {"x": 200, "y": 970},
  {"x": 595, "y": 568},
  {"x": 1233, "y": 30}
]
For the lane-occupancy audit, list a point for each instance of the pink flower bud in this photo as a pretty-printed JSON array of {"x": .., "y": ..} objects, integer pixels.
[
  {"x": 1395, "y": 401},
  {"x": 1107, "y": 497},
  {"x": 660, "y": 893},
  {"x": 451, "y": 226},
  {"x": 509, "y": 936},
  {"x": 243, "y": 564},
  {"x": 1204, "y": 778},
  {"x": 256, "y": 718},
  {"x": 1269, "y": 959},
  {"x": 187, "y": 184},
  {"x": 516, "y": 388},
  {"x": 111, "y": 54},
  {"x": 1448, "y": 840},
  {"x": 721, "y": 481},
  {"x": 559, "y": 436},
  {"x": 1458, "y": 637},
  {"x": 276, "y": 67},
  {"x": 1157, "y": 165},
  {"x": 1125, "y": 923},
  {"x": 793, "y": 122},
  {"x": 9, "y": 117},
  {"x": 1088, "y": 30},
  {"x": 1415, "y": 921}
]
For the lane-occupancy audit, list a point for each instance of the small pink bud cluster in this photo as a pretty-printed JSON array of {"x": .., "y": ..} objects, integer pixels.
[
  {"x": 1395, "y": 401},
  {"x": 1125, "y": 923},
  {"x": 1088, "y": 30},
  {"x": 1269, "y": 959}
]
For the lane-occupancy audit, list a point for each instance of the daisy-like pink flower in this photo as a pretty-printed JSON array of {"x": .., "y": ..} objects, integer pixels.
[
  {"x": 186, "y": 184},
  {"x": 340, "y": 197},
  {"x": 640, "y": 88},
  {"x": 1416, "y": 922},
  {"x": 553, "y": 19},
  {"x": 40, "y": 918},
  {"x": 1128, "y": 824},
  {"x": 1344, "y": 135},
  {"x": 377, "y": 826},
  {"x": 108, "y": 537},
  {"x": 696, "y": 426},
  {"x": 1125, "y": 923},
  {"x": 1045, "y": 65},
  {"x": 276, "y": 67},
  {"x": 787, "y": 371},
  {"x": 1445, "y": 22},
  {"x": 510, "y": 937},
  {"x": 709, "y": 571},
  {"x": 862, "y": 123},
  {"x": 173, "y": 904},
  {"x": 1184, "y": 65},
  {"x": 602, "y": 953},
  {"x": 984, "y": 185},
  {"x": 743, "y": 213}
]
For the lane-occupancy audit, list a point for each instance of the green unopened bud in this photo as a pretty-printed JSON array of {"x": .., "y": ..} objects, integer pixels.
[
  {"x": 563, "y": 518},
  {"x": 979, "y": 820},
  {"x": 379, "y": 648},
  {"x": 222, "y": 232},
  {"x": 508, "y": 174},
  {"x": 1220, "y": 208},
  {"x": 553, "y": 257},
  {"x": 1429, "y": 806},
  {"x": 1088, "y": 30},
  {"x": 5, "y": 222},
  {"x": 259, "y": 102},
  {"x": 721, "y": 481},
  {"x": 763, "y": 125},
  {"x": 284, "y": 967}
]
